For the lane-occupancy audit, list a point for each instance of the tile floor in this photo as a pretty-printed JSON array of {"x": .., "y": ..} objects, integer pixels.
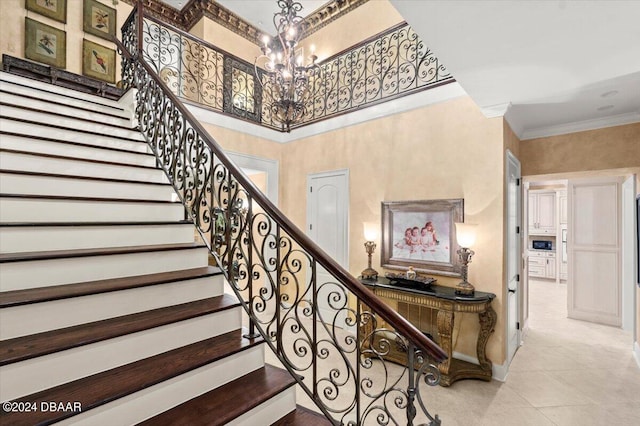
[{"x": 566, "y": 373}]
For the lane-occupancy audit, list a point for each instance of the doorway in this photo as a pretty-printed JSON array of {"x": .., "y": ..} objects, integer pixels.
[
  {"x": 583, "y": 195},
  {"x": 328, "y": 226},
  {"x": 513, "y": 233}
]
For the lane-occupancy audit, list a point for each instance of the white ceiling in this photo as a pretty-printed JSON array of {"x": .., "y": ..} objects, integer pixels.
[
  {"x": 555, "y": 65},
  {"x": 552, "y": 66}
]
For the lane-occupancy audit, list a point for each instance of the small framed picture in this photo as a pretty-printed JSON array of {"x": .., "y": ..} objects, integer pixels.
[
  {"x": 54, "y": 9},
  {"x": 98, "y": 19},
  {"x": 98, "y": 61},
  {"x": 45, "y": 44}
]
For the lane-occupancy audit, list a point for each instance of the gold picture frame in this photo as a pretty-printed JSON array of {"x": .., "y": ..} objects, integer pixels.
[
  {"x": 98, "y": 61},
  {"x": 46, "y": 44},
  {"x": 422, "y": 235},
  {"x": 99, "y": 19},
  {"x": 54, "y": 9}
]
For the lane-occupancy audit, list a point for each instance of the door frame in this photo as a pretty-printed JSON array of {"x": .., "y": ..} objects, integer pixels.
[
  {"x": 512, "y": 161},
  {"x": 269, "y": 166}
]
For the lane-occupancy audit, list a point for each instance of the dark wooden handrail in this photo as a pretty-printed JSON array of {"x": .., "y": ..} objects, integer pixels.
[{"x": 394, "y": 319}]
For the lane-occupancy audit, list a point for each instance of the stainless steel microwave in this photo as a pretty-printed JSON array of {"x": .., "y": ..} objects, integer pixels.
[{"x": 541, "y": 245}]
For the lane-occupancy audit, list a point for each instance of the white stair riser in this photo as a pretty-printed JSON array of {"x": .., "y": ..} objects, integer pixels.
[
  {"x": 33, "y": 375},
  {"x": 269, "y": 411},
  {"x": 156, "y": 399},
  {"x": 45, "y": 105},
  {"x": 29, "y": 238},
  {"x": 44, "y": 185},
  {"x": 29, "y": 129},
  {"x": 25, "y": 143},
  {"x": 35, "y": 318},
  {"x": 71, "y": 123},
  {"x": 46, "y": 89},
  {"x": 36, "y": 163},
  {"x": 25, "y": 210},
  {"x": 42, "y": 273}
]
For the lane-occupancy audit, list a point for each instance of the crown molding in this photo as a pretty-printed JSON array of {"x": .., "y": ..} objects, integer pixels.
[
  {"x": 163, "y": 11},
  {"x": 581, "y": 126},
  {"x": 328, "y": 13},
  {"x": 193, "y": 11}
]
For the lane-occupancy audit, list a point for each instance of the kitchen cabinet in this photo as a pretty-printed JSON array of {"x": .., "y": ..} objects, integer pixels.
[
  {"x": 562, "y": 201},
  {"x": 542, "y": 264},
  {"x": 542, "y": 212}
]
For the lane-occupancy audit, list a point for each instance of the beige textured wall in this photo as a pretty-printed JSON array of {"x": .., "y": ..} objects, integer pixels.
[
  {"x": 225, "y": 39},
  {"x": 609, "y": 148},
  {"x": 361, "y": 23},
  {"x": 449, "y": 150},
  {"x": 13, "y": 12},
  {"x": 511, "y": 140}
]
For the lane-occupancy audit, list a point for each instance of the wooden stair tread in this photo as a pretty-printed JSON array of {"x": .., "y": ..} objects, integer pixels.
[
  {"x": 49, "y": 101},
  {"x": 76, "y": 198},
  {"x": 62, "y": 254},
  {"x": 227, "y": 402},
  {"x": 101, "y": 388},
  {"x": 65, "y": 291},
  {"x": 88, "y": 132},
  {"x": 302, "y": 416},
  {"x": 31, "y": 346},
  {"x": 57, "y": 175},
  {"x": 84, "y": 145},
  {"x": 88, "y": 224},
  {"x": 59, "y": 114},
  {"x": 78, "y": 159}
]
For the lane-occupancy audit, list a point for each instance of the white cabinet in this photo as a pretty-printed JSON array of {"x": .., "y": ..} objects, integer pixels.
[
  {"x": 562, "y": 200},
  {"x": 542, "y": 212},
  {"x": 542, "y": 264}
]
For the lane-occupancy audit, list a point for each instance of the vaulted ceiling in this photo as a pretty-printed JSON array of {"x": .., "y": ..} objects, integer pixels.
[{"x": 550, "y": 67}]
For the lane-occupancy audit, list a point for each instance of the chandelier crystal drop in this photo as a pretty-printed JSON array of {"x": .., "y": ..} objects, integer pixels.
[{"x": 285, "y": 76}]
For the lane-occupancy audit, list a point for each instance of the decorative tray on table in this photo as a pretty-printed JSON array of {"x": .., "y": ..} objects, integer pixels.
[{"x": 415, "y": 282}]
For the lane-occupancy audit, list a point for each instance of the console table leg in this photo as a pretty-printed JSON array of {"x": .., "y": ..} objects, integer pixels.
[
  {"x": 445, "y": 331},
  {"x": 487, "y": 325}
]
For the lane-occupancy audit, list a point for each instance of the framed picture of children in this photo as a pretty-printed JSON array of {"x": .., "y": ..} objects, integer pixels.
[{"x": 421, "y": 234}]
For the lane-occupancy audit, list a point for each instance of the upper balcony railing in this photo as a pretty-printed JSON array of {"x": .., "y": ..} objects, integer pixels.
[
  {"x": 325, "y": 327},
  {"x": 389, "y": 65}
]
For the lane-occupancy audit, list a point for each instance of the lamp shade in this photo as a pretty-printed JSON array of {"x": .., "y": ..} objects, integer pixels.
[
  {"x": 466, "y": 234},
  {"x": 370, "y": 231}
]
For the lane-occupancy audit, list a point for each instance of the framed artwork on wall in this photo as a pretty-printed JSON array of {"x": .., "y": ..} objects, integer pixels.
[
  {"x": 43, "y": 43},
  {"x": 98, "y": 61},
  {"x": 54, "y": 9},
  {"x": 99, "y": 19},
  {"x": 422, "y": 235}
]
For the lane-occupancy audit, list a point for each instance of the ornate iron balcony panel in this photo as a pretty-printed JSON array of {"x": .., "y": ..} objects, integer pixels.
[{"x": 392, "y": 64}]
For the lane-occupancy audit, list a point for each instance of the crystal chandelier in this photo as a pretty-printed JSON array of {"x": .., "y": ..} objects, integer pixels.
[{"x": 287, "y": 78}]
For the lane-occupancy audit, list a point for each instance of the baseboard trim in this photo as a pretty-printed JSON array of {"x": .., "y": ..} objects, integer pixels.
[
  {"x": 498, "y": 371},
  {"x": 636, "y": 353}
]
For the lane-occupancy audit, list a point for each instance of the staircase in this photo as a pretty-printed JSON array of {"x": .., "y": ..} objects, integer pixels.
[{"x": 109, "y": 312}]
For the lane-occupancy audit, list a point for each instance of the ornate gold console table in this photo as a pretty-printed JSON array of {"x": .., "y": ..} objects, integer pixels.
[{"x": 413, "y": 302}]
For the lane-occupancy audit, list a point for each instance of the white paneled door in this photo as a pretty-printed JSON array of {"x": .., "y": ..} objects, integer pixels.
[
  {"x": 594, "y": 250},
  {"x": 328, "y": 219}
]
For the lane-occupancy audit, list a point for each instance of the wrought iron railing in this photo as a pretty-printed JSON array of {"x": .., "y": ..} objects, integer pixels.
[
  {"x": 391, "y": 64},
  {"x": 331, "y": 333}
]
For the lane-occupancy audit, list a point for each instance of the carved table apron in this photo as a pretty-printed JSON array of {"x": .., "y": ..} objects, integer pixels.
[{"x": 446, "y": 303}]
